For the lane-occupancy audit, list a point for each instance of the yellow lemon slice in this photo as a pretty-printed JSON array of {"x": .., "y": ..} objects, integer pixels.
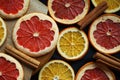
[
  {"x": 56, "y": 70},
  {"x": 72, "y": 43},
  {"x": 3, "y": 31},
  {"x": 113, "y": 5}
]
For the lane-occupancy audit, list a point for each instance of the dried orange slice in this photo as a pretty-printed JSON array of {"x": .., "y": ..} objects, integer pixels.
[
  {"x": 94, "y": 71},
  {"x": 104, "y": 33},
  {"x": 3, "y": 31},
  {"x": 56, "y": 70},
  {"x": 11, "y": 9},
  {"x": 68, "y": 11},
  {"x": 72, "y": 43},
  {"x": 10, "y": 68},
  {"x": 113, "y": 5},
  {"x": 35, "y": 34}
]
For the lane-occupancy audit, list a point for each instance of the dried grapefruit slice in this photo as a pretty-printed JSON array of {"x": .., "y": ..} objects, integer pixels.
[
  {"x": 3, "y": 31},
  {"x": 72, "y": 43},
  {"x": 94, "y": 71},
  {"x": 113, "y": 5},
  {"x": 104, "y": 33},
  {"x": 56, "y": 70},
  {"x": 10, "y": 68},
  {"x": 10, "y": 9},
  {"x": 35, "y": 34},
  {"x": 68, "y": 11}
]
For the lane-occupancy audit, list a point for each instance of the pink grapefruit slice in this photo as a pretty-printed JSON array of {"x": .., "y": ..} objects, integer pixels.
[
  {"x": 104, "y": 33},
  {"x": 68, "y": 11},
  {"x": 10, "y": 68},
  {"x": 35, "y": 34},
  {"x": 10, "y": 9},
  {"x": 94, "y": 71}
]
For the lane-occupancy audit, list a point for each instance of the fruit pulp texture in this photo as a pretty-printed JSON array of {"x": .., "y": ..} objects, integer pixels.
[
  {"x": 72, "y": 43},
  {"x": 8, "y": 70},
  {"x": 1, "y": 31},
  {"x": 107, "y": 34},
  {"x": 11, "y": 6},
  {"x": 56, "y": 71},
  {"x": 111, "y": 3},
  {"x": 35, "y": 34},
  {"x": 68, "y": 9},
  {"x": 94, "y": 74}
]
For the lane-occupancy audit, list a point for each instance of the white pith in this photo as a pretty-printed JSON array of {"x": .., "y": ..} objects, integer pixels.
[
  {"x": 73, "y": 29},
  {"x": 92, "y": 65},
  {"x": 93, "y": 28},
  {"x": 108, "y": 11},
  {"x": 56, "y": 61},
  {"x": 66, "y": 21},
  {"x": 20, "y": 13},
  {"x": 47, "y": 49},
  {"x": 5, "y": 31},
  {"x": 18, "y": 65}
]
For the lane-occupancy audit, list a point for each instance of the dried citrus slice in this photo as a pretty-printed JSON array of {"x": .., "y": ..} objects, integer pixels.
[
  {"x": 10, "y": 68},
  {"x": 104, "y": 33},
  {"x": 72, "y": 43},
  {"x": 94, "y": 71},
  {"x": 35, "y": 34},
  {"x": 3, "y": 31},
  {"x": 113, "y": 5},
  {"x": 56, "y": 70},
  {"x": 68, "y": 11},
  {"x": 10, "y": 9}
]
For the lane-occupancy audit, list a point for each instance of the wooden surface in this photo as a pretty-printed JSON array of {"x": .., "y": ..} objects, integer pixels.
[{"x": 35, "y": 6}]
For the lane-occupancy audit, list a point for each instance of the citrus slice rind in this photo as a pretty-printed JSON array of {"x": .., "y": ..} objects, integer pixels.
[
  {"x": 113, "y": 5},
  {"x": 35, "y": 34},
  {"x": 56, "y": 70},
  {"x": 93, "y": 70},
  {"x": 3, "y": 31},
  {"x": 68, "y": 12},
  {"x": 72, "y": 43},
  {"x": 13, "y": 9},
  {"x": 10, "y": 68},
  {"x": 104, "y": 33}
]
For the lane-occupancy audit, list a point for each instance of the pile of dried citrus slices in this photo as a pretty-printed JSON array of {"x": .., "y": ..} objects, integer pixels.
[{"x": 37, "y": 34}]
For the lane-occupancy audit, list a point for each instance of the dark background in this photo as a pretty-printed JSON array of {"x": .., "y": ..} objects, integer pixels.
[{"x": 88, "y": 57}]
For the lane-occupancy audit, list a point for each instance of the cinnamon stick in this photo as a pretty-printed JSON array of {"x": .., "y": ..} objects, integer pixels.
[
  {"x": 22, "y": 56},
  {"x": 108, "y": 60},
  {"x": 93, "y": 15}
]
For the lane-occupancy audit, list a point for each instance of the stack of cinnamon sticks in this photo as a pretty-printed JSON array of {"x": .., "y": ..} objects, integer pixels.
[{"x": 108, "y": 60}]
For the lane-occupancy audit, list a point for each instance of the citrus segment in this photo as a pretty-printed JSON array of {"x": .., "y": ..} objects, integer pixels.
[
  {"x": 94, "y": 71},
  {"x": 113, "y": 5},
  {"x": 94, "y": 74},
  {"x": 10, "y": 69},
  {"x": 56, "y": 70},
  {"x": 3, "y": 31},
  {"x": 68, "y": 11},
  {"x": 13, "y": 8},
  {"x": 36, "y": 34},
  {"x": 72, "y": 43},
  {"x": 105, "y": 33}
]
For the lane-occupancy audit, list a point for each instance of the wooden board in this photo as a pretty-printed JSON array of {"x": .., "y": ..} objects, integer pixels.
[{"x": 35, "y": 6}]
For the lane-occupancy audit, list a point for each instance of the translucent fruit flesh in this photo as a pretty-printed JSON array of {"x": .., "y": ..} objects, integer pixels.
[
  {"x": 11, "y": 6},
  {"x": 35, "y": 32},
  {"x": 72, "y": 43},
  {"x": 68, "y": 9},
  {"x": 94, "y": 74},
  {"x": 8, "y": 70},
  {"x": 108, "y": 34}
]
